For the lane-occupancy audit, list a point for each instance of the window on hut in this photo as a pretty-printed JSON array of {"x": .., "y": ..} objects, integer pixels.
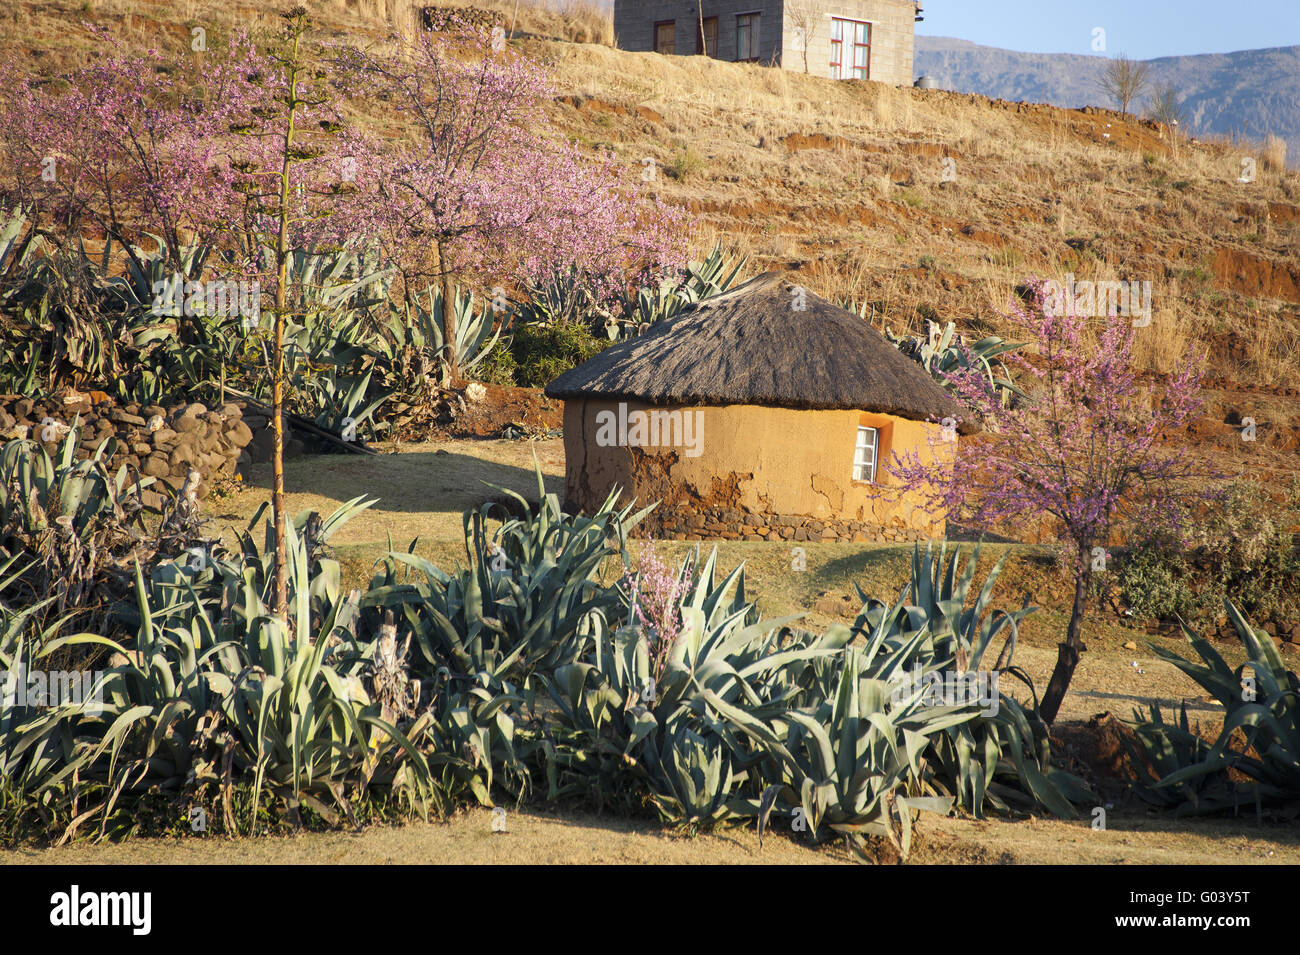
[{"x": 864, "y": 455}]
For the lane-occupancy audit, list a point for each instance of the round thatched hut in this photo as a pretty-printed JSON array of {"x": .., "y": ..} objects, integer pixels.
[{"x": 763, "y": 413}]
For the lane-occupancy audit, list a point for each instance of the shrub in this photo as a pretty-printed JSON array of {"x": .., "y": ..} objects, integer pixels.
[
  {"x": 1245, "y": 547},
  {"x": 544, "y": 352},
  {"x": 499, "y": 368},
  {"x": 686, "y": 162}
]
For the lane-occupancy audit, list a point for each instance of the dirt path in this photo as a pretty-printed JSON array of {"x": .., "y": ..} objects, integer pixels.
[{"x": 535, "y": 838}]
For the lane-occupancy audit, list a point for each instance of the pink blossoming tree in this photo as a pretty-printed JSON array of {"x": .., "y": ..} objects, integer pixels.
[
  {"x": 474, "y": 184},
  {"x": 128, "y": 144},
  {"x": 1092, "y": 450}
]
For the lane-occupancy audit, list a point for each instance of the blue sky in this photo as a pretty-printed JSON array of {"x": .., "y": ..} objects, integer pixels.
[{"x": 1140, "y": 28}]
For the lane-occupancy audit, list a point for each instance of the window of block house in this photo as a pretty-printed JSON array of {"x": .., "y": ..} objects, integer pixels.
[
  {"x": 666, "y": 36},
  {"x": 747, "y": 36},
  {"x": 850, "y": 49},
  {"x": 706, "y": 40}
]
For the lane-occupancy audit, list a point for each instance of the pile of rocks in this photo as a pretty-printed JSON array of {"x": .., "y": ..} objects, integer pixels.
[
  {"x": 158, "y": 442},
  {"x": 734, "y": 524},
  {"x": 455, "y": 19}
]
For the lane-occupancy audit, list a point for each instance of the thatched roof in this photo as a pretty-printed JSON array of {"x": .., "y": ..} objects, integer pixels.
[{"x": 751, "y": 346}]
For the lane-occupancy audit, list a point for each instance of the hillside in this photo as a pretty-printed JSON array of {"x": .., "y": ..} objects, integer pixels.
[
  {"x": 1250, "y": 93},
  {"x": 845, "y": 182}
]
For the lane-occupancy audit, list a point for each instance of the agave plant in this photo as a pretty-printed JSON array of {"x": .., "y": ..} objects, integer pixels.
[
  {"x": 215, "y": 691},
  {"x": 152, "y": 285},
  {"x": 713, "y": 276},
  {"x": 617, "y": 722},
  {"x": 334, "y": 282},
  {"x": 1260, "y": 736},
  {"x": 844, "y": 767},
  {"x": 1002, "y": 757},
  {"x": 75, "y": 525},
  {"x": 414, "y": 348},
  {"x": 525, "y": 598},
  {"x": 19, "y": 246},
  {"x": 343, "y": 405},
  {"x": 565, "y": 296},
  {"x": 945, "y": 353}
]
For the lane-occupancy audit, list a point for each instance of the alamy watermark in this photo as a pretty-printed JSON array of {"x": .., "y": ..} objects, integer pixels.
[
  {"x": 220, "y": 298},
  {"x": 1095, "y": 299},
  {"x": 972, "y": 688},
  {"x": 74, "y": 908},
  {"x": 22, "y": 688},
  {"x": 651, "y": 429}
]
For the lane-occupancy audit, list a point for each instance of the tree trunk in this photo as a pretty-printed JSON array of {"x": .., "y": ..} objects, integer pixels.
[
  {"x": 1068, "y": 652},
  {"x": 448, "y": 317}
]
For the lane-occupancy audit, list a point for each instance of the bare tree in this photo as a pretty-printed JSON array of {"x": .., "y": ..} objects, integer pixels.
[
  {"x": 806, "y": 16},
  {"x": 1125, "y": 80},
  {"x": 1165, "y": 106}
]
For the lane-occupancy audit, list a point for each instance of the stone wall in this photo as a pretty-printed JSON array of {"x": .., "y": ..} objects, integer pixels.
[
  {"x": 157, "y": 442},
  {"x": 440, "y": 18}
]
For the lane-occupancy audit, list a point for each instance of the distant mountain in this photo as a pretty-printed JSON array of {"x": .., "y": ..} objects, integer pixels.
[{"x": 1251, "y": 93}]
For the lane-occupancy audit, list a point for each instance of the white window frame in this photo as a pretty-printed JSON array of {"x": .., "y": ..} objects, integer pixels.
[
  {"x": 755, "y": 36},
  {"x": 866, "y": 454}
]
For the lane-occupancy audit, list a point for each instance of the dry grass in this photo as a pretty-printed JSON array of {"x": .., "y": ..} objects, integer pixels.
[
  {"x": 1038, "y": 191},
  {"x": 1274, "y": 154},
  {"x": 535, "y": 838}
]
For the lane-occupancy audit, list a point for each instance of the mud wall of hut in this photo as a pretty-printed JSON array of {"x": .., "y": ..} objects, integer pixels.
[{"x": 749, "y": 472}]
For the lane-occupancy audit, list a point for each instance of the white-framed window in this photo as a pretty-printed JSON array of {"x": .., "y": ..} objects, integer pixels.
[
  {"x": 747, "y": 36},
  {"x": 864, "y": 455},
  {"x": 850, "y": 49}
]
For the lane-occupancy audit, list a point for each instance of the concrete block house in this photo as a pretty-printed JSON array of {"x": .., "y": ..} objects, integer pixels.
[
  {"x": 764, "y": 413},
  {"x": 840, "y": 39}
]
